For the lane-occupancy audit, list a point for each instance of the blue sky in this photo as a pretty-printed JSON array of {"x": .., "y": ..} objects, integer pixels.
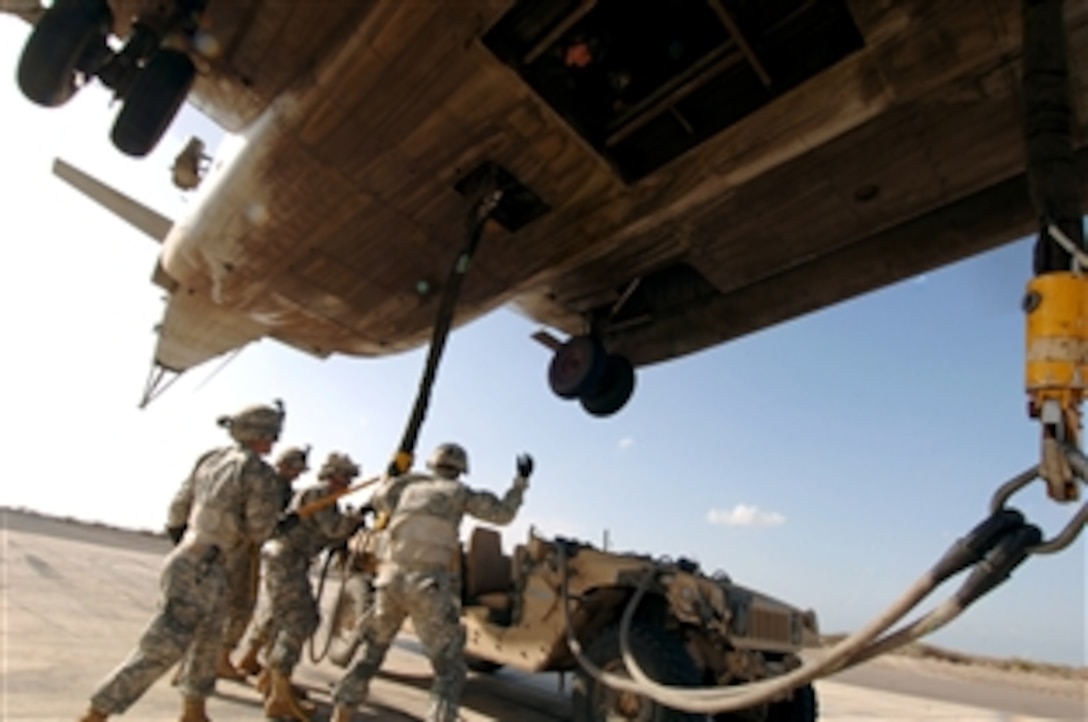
[{"x": 829, "y": 460}]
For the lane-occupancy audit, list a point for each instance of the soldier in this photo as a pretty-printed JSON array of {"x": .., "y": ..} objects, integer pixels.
[
  {"x": 287, "y": 560},
  {"x": 290, "y": 464},
  {"x": 233, "y": 502},
  {"x": 417, "y": 574}
]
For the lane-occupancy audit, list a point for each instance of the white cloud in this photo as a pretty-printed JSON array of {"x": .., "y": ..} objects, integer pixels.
[
  {"x": 626, "y": 442},
  {"x": 745, "y": 515}
]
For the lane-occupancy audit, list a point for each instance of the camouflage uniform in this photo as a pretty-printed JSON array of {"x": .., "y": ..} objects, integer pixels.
[
  {"x": 417, "y": 578},
  {"x": 263, "y": 628},
  {"x": 240, "y": 567},
  {"x": 287, "y": 562},
  {"x": 233, "y": 502},
  {"x": 290, "y": 464},
  {"x": 242, "y": 583}
]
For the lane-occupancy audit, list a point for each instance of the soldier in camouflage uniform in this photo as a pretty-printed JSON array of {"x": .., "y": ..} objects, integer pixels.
[
  {"x": 287, "y": 560},
  {"x": 234, "y": 502},
  {"x": 242, "y": 564},
  {"x": 290, "y": 464},
  {"x": 417, "y": 575}
]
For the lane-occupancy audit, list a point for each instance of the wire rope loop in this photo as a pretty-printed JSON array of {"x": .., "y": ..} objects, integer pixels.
[
  {"x": 1067, "y": 536},
  {"x": 1064, "y": 538}
]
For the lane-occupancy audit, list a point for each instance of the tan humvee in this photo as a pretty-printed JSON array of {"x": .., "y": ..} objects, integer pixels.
[{"x": 689, "y": 629}]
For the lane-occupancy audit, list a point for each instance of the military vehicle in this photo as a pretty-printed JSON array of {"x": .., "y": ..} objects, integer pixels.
[{"x": 689, "y": 629}]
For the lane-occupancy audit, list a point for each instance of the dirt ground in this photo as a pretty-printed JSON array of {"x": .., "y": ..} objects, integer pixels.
[
  {"x": 928, "y": 660},
  {"x": 1035, "y": 682},
  {"x": 76, "y": 595}
]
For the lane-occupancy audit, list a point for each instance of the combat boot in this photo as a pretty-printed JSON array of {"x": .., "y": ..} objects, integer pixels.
[
  {"x": 249, "y": 663},
  {"x": 264, "y": 685},
  {"x": 442, "y": 710},
  {"x": 281, "y": 701},
  {"x": 342, "y": 713},
  {"x": 192, "y": 710},
  {"x": 93, "y": 715},
  {"x": 225, "y": 670}
]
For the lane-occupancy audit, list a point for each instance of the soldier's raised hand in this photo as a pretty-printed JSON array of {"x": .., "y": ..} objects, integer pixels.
[
  {"x": 525, "y": 466},
  {"x": 176, "y": 533},
  {"x": 287, "y": 522}
]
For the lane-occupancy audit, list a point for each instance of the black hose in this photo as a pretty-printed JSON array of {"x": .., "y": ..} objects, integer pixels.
[
  {"x": 1048, "y": 132},
  {"x": 314, "y": 657},
  {"x": 440, "y": 333}
]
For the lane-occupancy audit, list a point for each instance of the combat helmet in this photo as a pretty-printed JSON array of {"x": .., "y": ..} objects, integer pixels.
[
  {"x": 296, "y": 458},
  {"x": 338, "y": 465},
  {"x": 259, "y": 422},
  {"x": 449, "y": 456}
]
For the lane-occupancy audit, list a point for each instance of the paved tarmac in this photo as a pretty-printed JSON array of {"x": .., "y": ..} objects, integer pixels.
[{"x": 74, "y": 599}]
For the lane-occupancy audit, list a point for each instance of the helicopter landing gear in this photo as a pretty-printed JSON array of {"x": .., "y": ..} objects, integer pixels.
[
  {"x": 59, "y": 56},
  {"x": 153, "y": 100},
  {"x": 151, "y": 75},
  {"x": 582, "y": 369}
]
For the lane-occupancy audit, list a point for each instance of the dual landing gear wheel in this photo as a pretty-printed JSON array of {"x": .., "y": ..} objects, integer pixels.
[
  {"x": 152, "y": 102},
  {"x": 614, "y": 389},
  {"x": 576, "y": 367},
  {"x": 54, "y": 62},
  {"x": 69, "y": 46},
  {"x": 582, "y": 369}
]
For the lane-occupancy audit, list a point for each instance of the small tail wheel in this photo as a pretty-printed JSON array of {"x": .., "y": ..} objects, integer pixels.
[
  {"x": 153, "y": 101},
  {"x": 54, "y": 63}
]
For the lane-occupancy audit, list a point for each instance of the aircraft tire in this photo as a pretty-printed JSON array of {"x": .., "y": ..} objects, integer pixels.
[
  {"x": 615, "y": 388},
  {"x": 48, "y": 72},
  {"x": 660, "y": 654},
  {"x": 152, "y": 102},
  {"x": 576, "y": 367}
]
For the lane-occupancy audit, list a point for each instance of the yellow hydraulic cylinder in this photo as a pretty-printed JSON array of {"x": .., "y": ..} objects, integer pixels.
[
  {"x": 1056, "y": 353},
  {"x": 1057, "y": 337}
]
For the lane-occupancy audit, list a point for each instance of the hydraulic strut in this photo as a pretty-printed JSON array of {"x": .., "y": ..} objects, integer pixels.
[{"x": 1056, "y": 300}]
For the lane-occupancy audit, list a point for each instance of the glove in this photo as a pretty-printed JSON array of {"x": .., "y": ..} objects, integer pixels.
[
  {"x": 288, "y": 522},
  {"x": 525, "y": 466},
  {"x": 176, "y": 533},
  {"x": 339, "y": 550}
]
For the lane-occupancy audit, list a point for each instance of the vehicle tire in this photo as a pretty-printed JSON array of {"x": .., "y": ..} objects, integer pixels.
[
  {"x": 614, "y": 390},
  {"x": 576, "y": 367},
  {"x": 152, "y": 102},
  {"x": 662, "y": 657},
  {"x": 483, "y": 666},
  {"x": 48, "y": 72},
  {"x": 802, "y": 707}
]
